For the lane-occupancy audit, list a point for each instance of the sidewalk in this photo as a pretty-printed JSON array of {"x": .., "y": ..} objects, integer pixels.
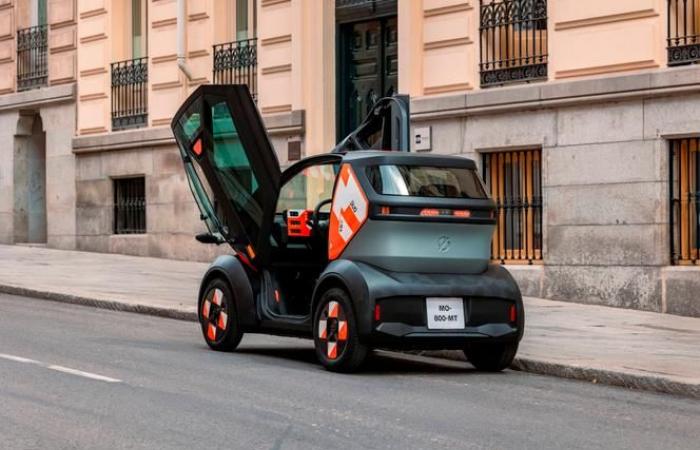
[{"x": 657, "y": 352}]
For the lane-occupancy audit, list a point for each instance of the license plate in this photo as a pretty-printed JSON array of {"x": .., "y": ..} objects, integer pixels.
[{"x": 445, "y": 313}]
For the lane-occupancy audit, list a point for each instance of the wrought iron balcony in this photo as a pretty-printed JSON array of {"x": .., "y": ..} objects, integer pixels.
[
  {"x": 237, "y": 63},
  {"x": 32, "y": 44},
  {"x": 683, "y": 31},
  {"x": 513, "y": 40},
  {"x": 129, "y": 94}
]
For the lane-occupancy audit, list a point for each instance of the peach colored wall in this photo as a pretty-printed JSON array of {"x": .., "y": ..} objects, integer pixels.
[
  {"x": 7, "y": 46},
  {"x": 94, "y": 56},
  {"x": 317, "y": 72},
  {"x": 602, "y": 36},
  {"x": 438, "y": 51},
  {"x": 62, "y": 37},
  {"x": 410, "y": 28},
  {"x": 450, "y": 30},
  {"x": 278, "y": 22},
  {"x": 167, "y": 84},
  {"x": 63, "y": 41}
]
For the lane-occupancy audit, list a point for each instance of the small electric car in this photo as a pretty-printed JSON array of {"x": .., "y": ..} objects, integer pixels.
[{"x": 368, "y": 246}]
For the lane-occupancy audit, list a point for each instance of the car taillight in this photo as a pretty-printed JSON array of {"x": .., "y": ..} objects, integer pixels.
[
  {"x": 377, "y": 313},
  {"x": 512, "y": 314},
  {"x": 384, "y": 210},
  {"x": 430, "y": 212},
  {"x": 465, "y": 213}
]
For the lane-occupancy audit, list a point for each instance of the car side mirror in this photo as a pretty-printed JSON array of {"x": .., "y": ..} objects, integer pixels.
[{"x": 208, "y": 238}]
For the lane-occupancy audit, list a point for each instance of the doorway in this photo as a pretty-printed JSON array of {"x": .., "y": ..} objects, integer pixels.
[
  {"x": 30, "y": 181},
  {"x": 367, "y": 63}
]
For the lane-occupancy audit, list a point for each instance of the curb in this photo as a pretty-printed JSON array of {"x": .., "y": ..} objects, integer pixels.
[
  {"x": 607, "y": 377},
  {"x": 113, "y": 305},
  {"x": 597, "y": 376}
]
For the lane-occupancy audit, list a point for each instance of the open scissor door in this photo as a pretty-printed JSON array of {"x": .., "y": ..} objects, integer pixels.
[
  {"x": 231, "y": 166},
  {"x": 386, "y": 127}
]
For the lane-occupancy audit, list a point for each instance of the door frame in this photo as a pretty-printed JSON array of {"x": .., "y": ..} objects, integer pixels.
[{"x": 345, "y": 16}]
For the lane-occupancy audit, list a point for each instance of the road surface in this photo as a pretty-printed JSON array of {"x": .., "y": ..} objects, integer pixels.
[{"x": 77, "y": 377}]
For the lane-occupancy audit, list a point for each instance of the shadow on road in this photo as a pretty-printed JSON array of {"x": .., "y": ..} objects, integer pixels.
[{"x": 378, "y": 362}]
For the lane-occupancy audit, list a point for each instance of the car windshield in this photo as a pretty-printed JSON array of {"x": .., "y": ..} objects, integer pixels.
[{"x": 426, "y": 181}]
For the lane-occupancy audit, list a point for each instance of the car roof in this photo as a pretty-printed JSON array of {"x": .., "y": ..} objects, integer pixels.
[{"x": 368, "y": 157}]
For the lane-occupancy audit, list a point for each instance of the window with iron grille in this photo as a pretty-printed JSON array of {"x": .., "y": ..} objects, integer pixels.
[
  {"x": 32, "y": 45},
  {"x": 514, "y": 179},
  {"x": 513, "y": 41},
  {"x": 130, "y": 205},
  {"x": 684, "y": 169},
  {"x": 237, "y": 63},
  {"x": 129, "y": 94},
  {"x": 683, "y": 30}
]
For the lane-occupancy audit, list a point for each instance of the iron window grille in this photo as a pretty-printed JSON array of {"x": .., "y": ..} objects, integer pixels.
[
  {"x": 513, "y": 41},
  {"x": 130, "y": 205},
  {"x": 129, "y": 94},
  {"x": 237, "y": 63},
  {"x": 514, "y": 179},
  {"x": 684, "y": 169},
  {"x": 683, "y": 29},
  {"x": 32, "y": 44}
]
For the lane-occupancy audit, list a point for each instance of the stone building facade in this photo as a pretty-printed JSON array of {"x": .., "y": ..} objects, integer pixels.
[
  {"x": 38, "y": 64},
  {"x": 584, "y": 118}
]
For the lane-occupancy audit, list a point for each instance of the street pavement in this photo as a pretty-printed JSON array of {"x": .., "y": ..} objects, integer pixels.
[
  {"x": 643, "y": 350},
  {"x": 79, "y": 377}
]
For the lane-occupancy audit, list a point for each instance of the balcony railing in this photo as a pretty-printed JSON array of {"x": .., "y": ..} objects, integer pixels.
[
  {"x": 32, "y": 44},
  {"x": 237, "y": 63},
  {"x": 683, "y": 32},
  {"x": 129, "y": 94},
  {"x": 513, "y": 39},
  {"x": 685, "y": 201}
]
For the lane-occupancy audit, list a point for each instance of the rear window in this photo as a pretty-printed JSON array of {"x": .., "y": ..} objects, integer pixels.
[{"x": 425, "y": 181}]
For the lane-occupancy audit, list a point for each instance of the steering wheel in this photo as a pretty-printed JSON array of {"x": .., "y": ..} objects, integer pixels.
[{"x": 315, "y": 216}]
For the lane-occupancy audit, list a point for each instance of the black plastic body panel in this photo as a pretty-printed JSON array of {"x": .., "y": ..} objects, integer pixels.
[
  {"x": 231, "y": 269},
  {"x": 367, "y": 284}
]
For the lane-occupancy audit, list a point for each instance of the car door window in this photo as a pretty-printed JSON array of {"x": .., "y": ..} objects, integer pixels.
[
  {"x": 308, "y": 188},
  {"x": 233, "y": 168},
  {"x": 231, "y": 165}
]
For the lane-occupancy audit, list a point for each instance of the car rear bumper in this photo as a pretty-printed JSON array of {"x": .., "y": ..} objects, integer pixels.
[{"x": 403, "y": 336}]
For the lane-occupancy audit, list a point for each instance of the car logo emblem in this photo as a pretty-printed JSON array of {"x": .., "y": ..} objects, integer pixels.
[{"x": 443, "y": 243}]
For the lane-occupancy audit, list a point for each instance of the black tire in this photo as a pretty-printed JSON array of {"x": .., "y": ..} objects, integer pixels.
[
  {"x": 491, "y": 357},
  {"x": 217, "y": 316},
  {"x": 349, "y": 352}
]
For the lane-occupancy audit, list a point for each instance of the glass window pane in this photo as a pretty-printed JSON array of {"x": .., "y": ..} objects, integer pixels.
[
  {"x": 422, "y": 181},
  {"x": 308, "y": 188},
  {"x": 241, "y": 19},
  {"x": 41, "y": 12},
  {"x": 234, "y": 171},
  {"x": 137, "y": 25}
]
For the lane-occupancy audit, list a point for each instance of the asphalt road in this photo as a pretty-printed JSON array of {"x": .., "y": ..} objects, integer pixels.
[{"x": 76, "y": 377}]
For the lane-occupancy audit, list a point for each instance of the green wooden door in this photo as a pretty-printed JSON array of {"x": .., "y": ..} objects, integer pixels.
[{"x": 367, "y": 68}]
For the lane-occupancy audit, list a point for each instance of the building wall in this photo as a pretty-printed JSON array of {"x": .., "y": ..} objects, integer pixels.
[
  {"x": 53, "y": 106},
  {"x": 602, "y": 118},
  {"x": 605, "y": 179}
]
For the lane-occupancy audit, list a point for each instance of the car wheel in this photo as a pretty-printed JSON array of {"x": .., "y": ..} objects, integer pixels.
[
  {"x": 336, "y": 339},
  {"x": 491, "y": 357},
  {"x": 217, "y": 316}
]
